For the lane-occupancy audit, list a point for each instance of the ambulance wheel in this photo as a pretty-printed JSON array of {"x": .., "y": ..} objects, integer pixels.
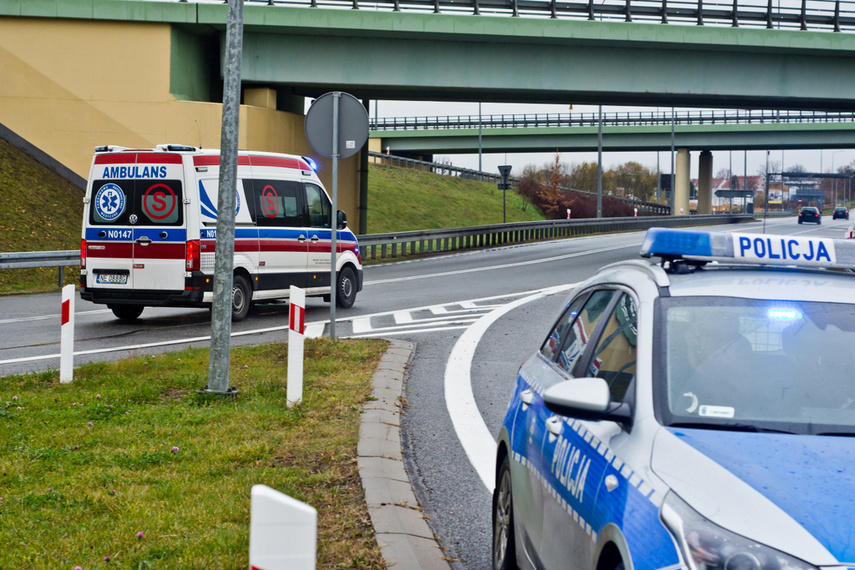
[
  {"x": 241, "y": 297},
  {"x": 504, "y": 547},
  {"x": 127, "y": 312},
  {"x": 346, "y": 290}
]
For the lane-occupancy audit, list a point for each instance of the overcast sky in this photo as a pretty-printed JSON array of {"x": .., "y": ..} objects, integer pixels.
[{"x": 810, "y": 159}]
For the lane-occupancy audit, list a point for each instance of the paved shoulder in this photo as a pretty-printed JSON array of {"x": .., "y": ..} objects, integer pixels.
[{"x": 402, "y": 532}]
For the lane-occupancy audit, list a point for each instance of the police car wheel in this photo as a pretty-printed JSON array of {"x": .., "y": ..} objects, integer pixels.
[
  {"x": 346, "y": 290},
  {"x": 241, "y": 296},
  {"x": 504, "y": 547},
  {"x": 127, "y": 312}
]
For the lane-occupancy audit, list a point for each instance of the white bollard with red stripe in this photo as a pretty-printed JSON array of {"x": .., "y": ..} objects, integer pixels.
[
  {"x": 296, "y": 332},
  {"x": 66, "y": 345},
  {"x": 283, "y": 532}
]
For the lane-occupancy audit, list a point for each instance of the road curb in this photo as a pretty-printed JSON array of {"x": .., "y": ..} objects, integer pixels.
[{"x": 405, "y": 538}]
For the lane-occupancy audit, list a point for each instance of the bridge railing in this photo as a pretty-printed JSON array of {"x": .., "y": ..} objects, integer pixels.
[
  {"x": 623, "y": 119},
  {"x": 826, "y": 15},
  {"x": 404, "y": 244}
]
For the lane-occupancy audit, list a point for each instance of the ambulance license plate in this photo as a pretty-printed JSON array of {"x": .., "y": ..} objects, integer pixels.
[{"x": 111, "y": 278}]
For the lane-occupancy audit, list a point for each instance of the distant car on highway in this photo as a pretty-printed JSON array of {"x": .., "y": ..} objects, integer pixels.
[
  {"x": 810, "y": 214},
  {"x": 840, "y": 212},
  {"x": 693, "y": 411}
]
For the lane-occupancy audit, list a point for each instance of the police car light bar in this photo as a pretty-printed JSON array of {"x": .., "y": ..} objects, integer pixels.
[{"x": 755, "y": 249}]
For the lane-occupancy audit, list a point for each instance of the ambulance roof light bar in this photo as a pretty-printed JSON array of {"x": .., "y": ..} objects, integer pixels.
[
  {"x": 755, "y": 249},
  {"x": 110, "y": 148}
]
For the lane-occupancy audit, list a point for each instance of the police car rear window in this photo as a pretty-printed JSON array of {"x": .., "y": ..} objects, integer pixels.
[{"x": 136, "y": 202}]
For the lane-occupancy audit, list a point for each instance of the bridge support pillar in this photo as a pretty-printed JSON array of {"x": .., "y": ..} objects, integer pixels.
[
  {"x": 681, "y": 182},
  {"x": 705, "y": 166}
]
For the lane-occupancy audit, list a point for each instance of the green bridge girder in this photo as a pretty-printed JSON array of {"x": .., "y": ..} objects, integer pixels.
[
  {"x": 424, "y": 56},
  {"x": 769, "y": 136}
]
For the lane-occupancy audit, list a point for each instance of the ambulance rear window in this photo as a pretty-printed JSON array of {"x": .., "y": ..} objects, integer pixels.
[{"x": 137, "y": 202}]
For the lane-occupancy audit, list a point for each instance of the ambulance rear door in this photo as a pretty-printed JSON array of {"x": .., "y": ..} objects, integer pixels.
[
  {"x": 160, "y": 234},
  {"x": 135, "y": 235}
]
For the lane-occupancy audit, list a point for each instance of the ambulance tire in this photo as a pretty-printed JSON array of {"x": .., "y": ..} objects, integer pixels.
[
  {"x": 504, "y": 542},
  {"x": 345, "y": 294},
  {"x": 241, "y": 298},
  {"x": 127, "y": 312}
]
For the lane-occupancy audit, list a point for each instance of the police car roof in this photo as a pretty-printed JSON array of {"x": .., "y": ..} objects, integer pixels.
[{"x": 759, "y": 266}]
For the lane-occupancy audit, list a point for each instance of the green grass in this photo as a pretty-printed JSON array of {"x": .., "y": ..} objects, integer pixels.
[
  {"x": 402, "y": 199},
  {"x": 39, "y": 211},
  {"x": 131, "y": 447}
]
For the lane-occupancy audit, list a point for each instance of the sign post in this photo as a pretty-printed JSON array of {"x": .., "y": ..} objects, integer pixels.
[
  {"x": 505, "y": 171},
  {"x": 337, "y": 127}
]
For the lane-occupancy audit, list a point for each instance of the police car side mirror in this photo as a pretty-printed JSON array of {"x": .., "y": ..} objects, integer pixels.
[
  {"x": 341, "y": 223},
  {"x": 585, "y": 399}
]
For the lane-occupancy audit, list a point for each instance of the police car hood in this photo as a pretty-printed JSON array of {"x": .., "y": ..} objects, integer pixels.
[{"x": 794, "y": 493}]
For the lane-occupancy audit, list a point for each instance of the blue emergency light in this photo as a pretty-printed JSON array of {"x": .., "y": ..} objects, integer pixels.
[
  {"x": 764, "y": 249},
  {"x": 312, "y": 164}
]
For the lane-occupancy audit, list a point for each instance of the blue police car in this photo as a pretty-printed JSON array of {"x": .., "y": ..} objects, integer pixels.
[{"x": 694, "y": 410}]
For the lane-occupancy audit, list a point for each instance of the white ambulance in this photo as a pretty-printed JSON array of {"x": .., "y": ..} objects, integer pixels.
[{"x": 149, "y": 231}]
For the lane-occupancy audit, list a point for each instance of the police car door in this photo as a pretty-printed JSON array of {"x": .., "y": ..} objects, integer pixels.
[
  {"x": 564, "y": 347},
  {"x": 320, "y": 235},
  {"x": 573, "y": 449}
]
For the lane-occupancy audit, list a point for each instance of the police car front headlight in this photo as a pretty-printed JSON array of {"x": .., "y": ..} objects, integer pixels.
[{"x": 707, "y": 546}]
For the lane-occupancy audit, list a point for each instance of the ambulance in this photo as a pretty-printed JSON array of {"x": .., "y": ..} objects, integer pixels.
[{"x": 150, "y": 228}]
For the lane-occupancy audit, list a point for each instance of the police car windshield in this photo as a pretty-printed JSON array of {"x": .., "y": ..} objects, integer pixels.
[{"x": 782, "y": 366}]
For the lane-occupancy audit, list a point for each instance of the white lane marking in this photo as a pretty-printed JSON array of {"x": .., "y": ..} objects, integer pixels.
[
  {"x": 313, "y": 330},
  {"x": 473, "y": 434},
  {"x": 502, "y": 266},
  {"x": 48, "y": 317}
]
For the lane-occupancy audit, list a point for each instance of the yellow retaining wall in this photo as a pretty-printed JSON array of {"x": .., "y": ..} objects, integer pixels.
[{"x": 71, "y": 85}]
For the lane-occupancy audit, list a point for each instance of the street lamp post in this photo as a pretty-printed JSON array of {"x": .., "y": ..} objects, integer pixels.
[{"x": 833, "y": 172}]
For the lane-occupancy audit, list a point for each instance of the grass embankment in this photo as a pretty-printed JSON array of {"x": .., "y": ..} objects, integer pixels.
[
  {"x": 39, "y": 211},
  {"x": 404, "y": 199},
  {"x": 130, "y": 447}
]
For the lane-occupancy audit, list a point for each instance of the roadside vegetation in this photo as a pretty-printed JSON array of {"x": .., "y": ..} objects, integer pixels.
[
  {"x": 39, "y": 211},
  {"x": 129, "y": 467}
]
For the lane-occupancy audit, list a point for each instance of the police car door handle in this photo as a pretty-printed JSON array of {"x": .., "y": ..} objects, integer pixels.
[
  {"x": 555, "y": 425},
  {"x": 315, "y": 238},
  {"x": 144, "y": 240},
  {"x": 301, "y": 239},
  {"x": 526, "y": 397}
]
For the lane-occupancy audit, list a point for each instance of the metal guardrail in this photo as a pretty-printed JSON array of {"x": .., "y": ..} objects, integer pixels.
[
  {"x": 402, "y": 244},
  {"x": 818, "y": 15},
  {"x": 436, "y": 168},
  {"x": 25, "y": 259},
  {"x": 617, "y": 119}
]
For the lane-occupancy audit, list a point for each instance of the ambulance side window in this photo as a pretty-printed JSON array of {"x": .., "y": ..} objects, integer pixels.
[
  {"x": 318, "y": 206},
  {"x": 278, "y": 203}
]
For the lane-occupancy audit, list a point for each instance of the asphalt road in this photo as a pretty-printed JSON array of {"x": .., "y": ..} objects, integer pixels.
[{"x": 483, "y": 305}]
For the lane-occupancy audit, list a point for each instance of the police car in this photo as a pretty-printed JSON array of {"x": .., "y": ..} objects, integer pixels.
[{"x": 694, "y": 410}]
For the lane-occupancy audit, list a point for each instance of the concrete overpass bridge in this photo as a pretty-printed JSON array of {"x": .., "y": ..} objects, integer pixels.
[
  {"x": 81, "y": 73},
  {"x": 695, "y": 130}
]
